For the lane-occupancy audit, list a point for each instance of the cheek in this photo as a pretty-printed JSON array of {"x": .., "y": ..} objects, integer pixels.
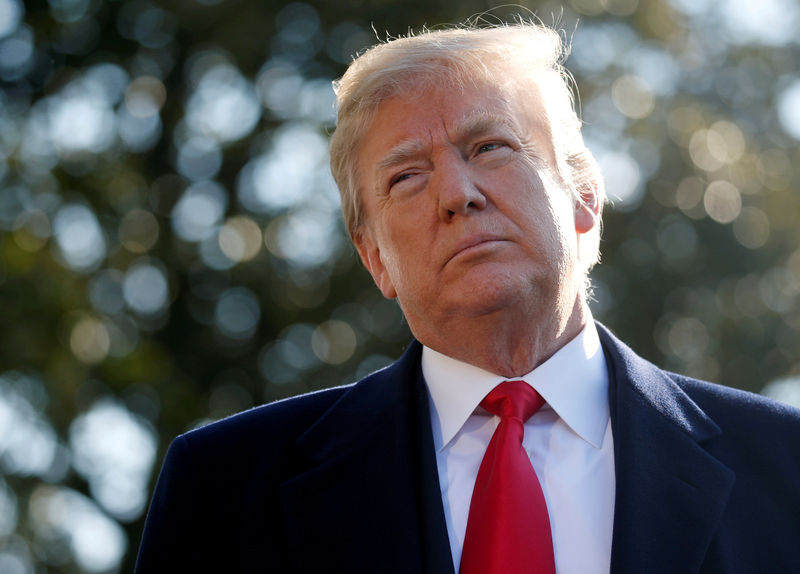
[
  {"x": 550, "y": 233},
  {"x": 391, "y": 264},
  {"x": 406, "y": 264},
  {"x": 396, "y": 262}
]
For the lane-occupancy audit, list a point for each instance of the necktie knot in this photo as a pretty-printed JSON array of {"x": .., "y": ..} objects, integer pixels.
[{"x": 516, "y": 399}]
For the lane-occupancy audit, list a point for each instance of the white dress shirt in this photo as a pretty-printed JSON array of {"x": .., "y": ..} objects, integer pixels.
[{"x": 568, "y": 441}]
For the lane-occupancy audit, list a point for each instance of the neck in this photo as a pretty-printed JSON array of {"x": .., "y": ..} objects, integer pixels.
[{"x": 510, "y": 345}]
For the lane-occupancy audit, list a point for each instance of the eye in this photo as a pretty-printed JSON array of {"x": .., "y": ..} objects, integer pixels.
[
  {"x": 399, "y": 178},
  {"x": 491, "y": 146}
]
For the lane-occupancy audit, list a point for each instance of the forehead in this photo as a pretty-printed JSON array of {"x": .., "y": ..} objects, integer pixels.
[{"x": 469, "y": 106}]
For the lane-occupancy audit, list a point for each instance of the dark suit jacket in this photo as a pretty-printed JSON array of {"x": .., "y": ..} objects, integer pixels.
[{"x": 344, "y": 480}]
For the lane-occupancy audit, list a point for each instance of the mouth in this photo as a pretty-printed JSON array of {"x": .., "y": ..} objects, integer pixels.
[{"x": 474, "y": 246}]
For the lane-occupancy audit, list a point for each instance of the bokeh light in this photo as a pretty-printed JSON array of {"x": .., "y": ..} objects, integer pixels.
[
  {"x": 138, "y": 231},
  {"x": 115, "y": 451},
  {"x": 283, "y": 360},
  {"x": 28, "y": 442},
  {"x": 282, "y": 178},
  {"x": 722, "y": 201},
  {"x": 63, "y": 516},
  {"x": 145, "y": 288},
  {"x": 789, "y": 108},
  {"x": 11, "y": 12},
  {"x": 240, "y": 238},
  {"x": 333, "y": 342},
  {"x": 305, "y": 238},
  {"x": 633, "y": 96},
  {"x": 79, "y": 238},
  {"x": 9, "y": 510},
  {"x": 16, "y": 49},
  {"x": 90, "y": 340},
  {"x": 16, "y": 557},
  {"x": 81, "y": 119},
  {"x": 224, "y": 105},
  {"x": 237, "y": 313},
  {"x": 199, "y": 210},
  {"x": 786, "y": 390}
]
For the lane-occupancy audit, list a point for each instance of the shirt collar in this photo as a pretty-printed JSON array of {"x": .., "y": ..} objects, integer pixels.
[{"x": 574, "y": 382}]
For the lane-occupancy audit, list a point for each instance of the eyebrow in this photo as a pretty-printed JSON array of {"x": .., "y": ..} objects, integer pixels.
[
  {"x": 400, "y": 153},
  {"x": 480, "y": 122}
]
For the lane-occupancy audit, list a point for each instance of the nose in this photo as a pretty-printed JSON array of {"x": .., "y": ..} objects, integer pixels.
[{"x": 457, "y": 193}]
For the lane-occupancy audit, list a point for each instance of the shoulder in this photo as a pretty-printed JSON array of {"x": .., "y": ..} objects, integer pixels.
[
  {"x": 759, "y": 438},
  {"x": 265, "y": 445},
  {"x": 254, "y": 447},
  {"x": 719, "y": 402},
  {"x": 278, "y": 422},
  {"x": 734, "y": 421},
  {"x": 289, "y": 418},
  {"x": 740, "y": 408},
  {"x": 269, "y": 432}
]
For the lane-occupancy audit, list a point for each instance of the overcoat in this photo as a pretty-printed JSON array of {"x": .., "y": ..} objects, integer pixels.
[{"x": 344, "y": 481}]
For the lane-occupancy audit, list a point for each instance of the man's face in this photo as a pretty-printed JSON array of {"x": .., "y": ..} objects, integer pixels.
[{"x": 465, "y": 213}]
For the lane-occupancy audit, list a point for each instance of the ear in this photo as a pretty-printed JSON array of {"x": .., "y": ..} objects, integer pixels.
[
  {"x": 587, "y": 208},
  {"x": 370, "y": 255}
]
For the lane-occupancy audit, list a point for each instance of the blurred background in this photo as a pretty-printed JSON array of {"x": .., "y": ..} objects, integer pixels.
[{"x": 171, "y": 249}]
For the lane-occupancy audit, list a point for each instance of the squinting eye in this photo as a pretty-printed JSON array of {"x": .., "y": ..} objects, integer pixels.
[
  {"x": 399, "y": 178},
  {"x": 488, "y": 147}
]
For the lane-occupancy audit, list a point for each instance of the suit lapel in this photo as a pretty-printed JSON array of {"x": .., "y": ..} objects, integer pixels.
[
  {"x": 670, "y": 492},
  {"x": 436, "y": 556},
  {"x": 365, "y": 496}
]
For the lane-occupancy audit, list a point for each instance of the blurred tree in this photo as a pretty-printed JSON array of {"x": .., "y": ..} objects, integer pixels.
[{"x": 172, "y": 252}]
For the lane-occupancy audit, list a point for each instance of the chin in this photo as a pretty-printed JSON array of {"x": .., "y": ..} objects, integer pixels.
[{"x": 487, "y": 298}]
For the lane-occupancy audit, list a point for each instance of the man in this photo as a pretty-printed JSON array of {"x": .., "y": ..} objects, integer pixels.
[{"x": 472, "y": 200}]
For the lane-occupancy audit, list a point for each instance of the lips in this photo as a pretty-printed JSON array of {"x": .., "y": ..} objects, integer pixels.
[{"x": 472, "y": 243}]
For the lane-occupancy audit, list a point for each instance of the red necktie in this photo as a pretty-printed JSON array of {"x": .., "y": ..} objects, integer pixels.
[{"x": 508, "y": 530}]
